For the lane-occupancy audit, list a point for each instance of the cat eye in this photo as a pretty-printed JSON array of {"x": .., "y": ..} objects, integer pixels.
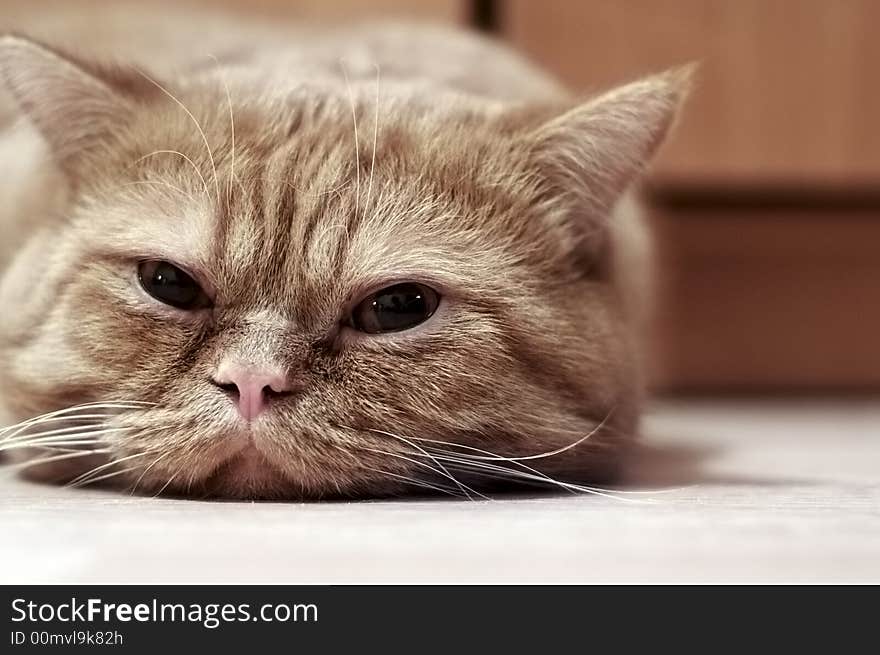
[
  {"x": 395, "y": 308},
  {"x": 170, "y": 285}
]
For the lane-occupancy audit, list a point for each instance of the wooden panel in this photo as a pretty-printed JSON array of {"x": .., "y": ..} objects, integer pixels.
[
  {"x": 754, "y": 299},
  {"x": 27, "y": 12},
  {"x": 161, "y": 32},
  {"x": 789, "y": 90},
  {"x": 448, "y": 10}
]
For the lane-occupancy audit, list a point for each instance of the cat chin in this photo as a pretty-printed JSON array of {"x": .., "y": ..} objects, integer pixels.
[
  {"x": 252, "y": 475},
  {"x": 247, "y": 475}
]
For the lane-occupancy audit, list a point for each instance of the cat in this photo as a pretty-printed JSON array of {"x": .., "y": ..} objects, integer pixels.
[{"x": 359, "y": 262}]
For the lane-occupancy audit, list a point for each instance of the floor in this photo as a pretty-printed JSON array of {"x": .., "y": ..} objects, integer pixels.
[{"x": 740, "y": 492}]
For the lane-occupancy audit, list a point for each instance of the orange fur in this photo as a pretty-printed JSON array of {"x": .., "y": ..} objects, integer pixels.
[{"x": 503, "y": 194}]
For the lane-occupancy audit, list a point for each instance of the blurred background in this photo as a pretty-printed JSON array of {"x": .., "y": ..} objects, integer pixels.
[{"x": 765, "y": 203}]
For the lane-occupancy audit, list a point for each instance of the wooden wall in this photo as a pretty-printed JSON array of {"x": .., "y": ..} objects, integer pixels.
[
  {"x": 766, "y": 202},
  {"x": 789, "y": 90},
  {"x": 443, "y": 10}
]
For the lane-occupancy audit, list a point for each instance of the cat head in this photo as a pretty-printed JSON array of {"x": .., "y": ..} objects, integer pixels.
[{"x": 327, "y": 290}]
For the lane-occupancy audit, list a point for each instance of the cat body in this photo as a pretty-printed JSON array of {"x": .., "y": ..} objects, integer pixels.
[{"x": 200, "y": 257}]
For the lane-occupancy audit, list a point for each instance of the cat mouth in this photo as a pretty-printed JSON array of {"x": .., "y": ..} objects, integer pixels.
[
  {"x": 247, "y": 474},
  {"x": 248, "y": 461}
]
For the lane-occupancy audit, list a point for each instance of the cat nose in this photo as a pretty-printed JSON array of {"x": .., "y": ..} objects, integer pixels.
[{"x": 251, "y": 388}]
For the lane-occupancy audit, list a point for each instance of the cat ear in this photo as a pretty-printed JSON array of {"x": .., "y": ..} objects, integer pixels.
[
  {"x": 591, "y": 154},
  {"x": 73, "y": 105}
]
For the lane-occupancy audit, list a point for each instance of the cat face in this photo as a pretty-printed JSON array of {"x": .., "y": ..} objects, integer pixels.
[{"x": 316, "y": 294}]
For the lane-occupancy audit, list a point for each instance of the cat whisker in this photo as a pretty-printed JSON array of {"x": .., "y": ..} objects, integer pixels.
[
  {"x": 50, "y": 445},
  {"x": 112, "y": 404},
  {"x": 130, "y": 405},
  {"x": 542, "y": 478},
  {"x": 68, "y": 448},
  {"x": 533, "y": 471},
  {"x": 526, "y": 467},
  {"x": 22, "y": 433},
  {"x": 147, "y": 470},
  {"x": 103, "y": 477},
  {"x": 66, "y": 415},
  {"x": 86, "y": 477},
  {"x": 551, "y": 453},
  {"x": 510, "y": 475},
  {"x": 489, "y": 456},
  {"x": 24, "y": 436},
  {"x": 480, "y": 462},
  {"x": 442, "y": 471},
  {"x": 170, "y": 480},
  {"x": 414, "y": 481},
  {"x": 61, "y": 434},
  {"x": 357, "y": 154},
  {"x": 194, "y": 120},
  {"x": 28, "y": 423},
  {"x": 441, "y": 451},
  {"x": 499, "y": 472},
  {"x": 465, "y": 489},
  {"x": 52, "y": 458},
  {"x": 231, "y": 126},
  {"x": 375, "y": 144}
]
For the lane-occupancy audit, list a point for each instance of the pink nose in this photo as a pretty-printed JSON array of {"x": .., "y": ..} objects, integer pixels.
[{"x": 251, "y": 388}]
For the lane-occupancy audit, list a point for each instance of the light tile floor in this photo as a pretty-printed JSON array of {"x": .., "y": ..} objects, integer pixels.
[{"x": 784, "y": 492}]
